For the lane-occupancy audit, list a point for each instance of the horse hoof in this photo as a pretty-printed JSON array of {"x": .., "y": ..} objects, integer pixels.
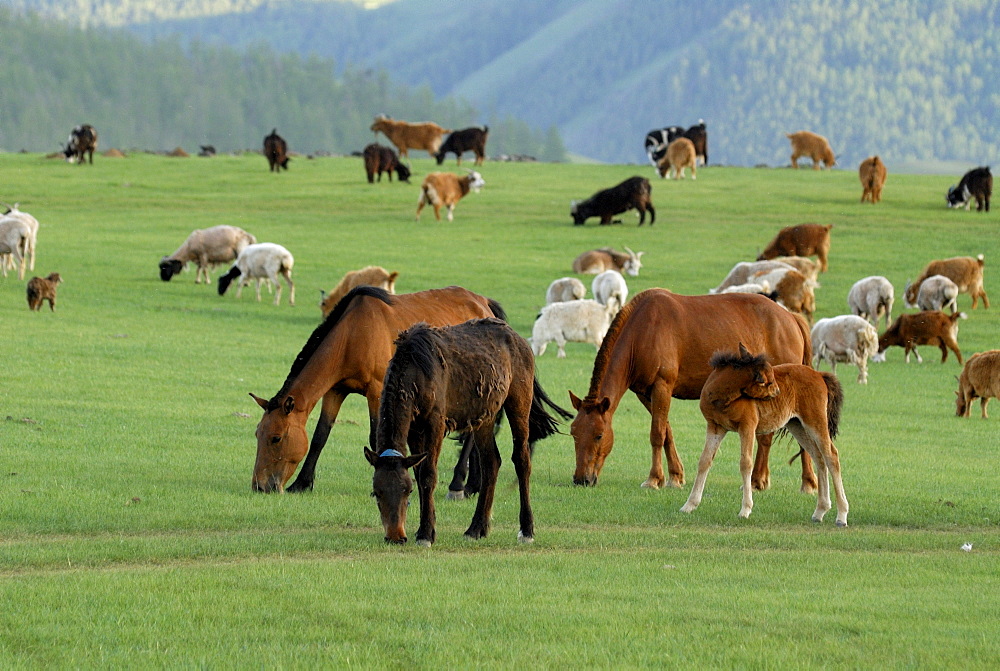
[
  {"x": 423, "y": 542},
  {"x": 525, "y": 539},
  {"x": 454, "y": 495},
  {"x": 842, "y": 525},
  {"x": 649, "y": 484}
]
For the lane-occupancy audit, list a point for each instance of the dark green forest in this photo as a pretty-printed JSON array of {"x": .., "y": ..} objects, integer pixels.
[{"x": 160, "y": 95}]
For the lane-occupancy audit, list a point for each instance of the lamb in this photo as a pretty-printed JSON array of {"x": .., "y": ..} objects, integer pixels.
[
  {"x": 42, "y": 289},
  {"x": 747, "y": 271},
  {"x": 872, "y": 298},
  {"x": 923, "y": 328},
  {"x": 598, "y": 260},
  {"x": 372, "y": 276},
  {"x": 845, "y": 339},
  {"x": 206, "y": 248},
  {"x": 609, "y": 289},
  {"x": 980, "y": 379},
  {"x": 15, "y": 239},
  {"x": 965, "y": 271},
  {"x": 936, "y": 293},
  {"x": 264, "y": 260},
  {"x": 32, "y": 223},
  {"x": 573, "y": 321},
  {"x": 565, "y": 289}
]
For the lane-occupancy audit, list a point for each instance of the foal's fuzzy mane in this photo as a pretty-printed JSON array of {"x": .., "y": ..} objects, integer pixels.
[
  {"x": 320, "y": 334},
  {"x": 418, "y": 345},
  {"x": 736, "y": 360}
]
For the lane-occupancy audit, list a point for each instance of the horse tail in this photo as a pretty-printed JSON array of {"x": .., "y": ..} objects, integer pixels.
[
  {"x": 807, "y": 353},
  {"x": 834, "y": 402},
  {"x": 226, "y": 280},
  {"x": 497, "y": 310},
  {"x": 540, "y": 423}
]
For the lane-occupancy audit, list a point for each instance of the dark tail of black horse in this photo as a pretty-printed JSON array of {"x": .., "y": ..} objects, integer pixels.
[{"x": 540, "y": 423}]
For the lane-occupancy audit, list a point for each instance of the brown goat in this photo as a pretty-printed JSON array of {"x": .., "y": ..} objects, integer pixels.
[
  {"x": 964, "y": 271},
  {"x": 801, "y": 240},
  {"x": 680, "y": 154},
  {"x": 444, "y": 189},
  {"x": 872, "y": 173},
  {"x": 812, "y": 145},
  {"x": 980, "y": 379},
  {"x": 931, "y": 327},
  {"x": 426, "y": 135},
  {"x": 42, "y": 289},
  {"x": 371, "y": 276}
]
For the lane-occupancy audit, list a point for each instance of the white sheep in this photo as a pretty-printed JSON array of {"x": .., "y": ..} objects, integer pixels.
[
  {"x": 744, "y": 272},
  {"x": 565, "y": 289},
  {"x": 845, "y": 339},
  {"x": 15, "y": 240},
  {"x": 609, "y": 289},
  {"x": 763, "y": 287},
  {"x": 572, "y": 321},
  {"x": 872, "y": 298},
  {"x": 262, "y": 261},
  {"x": 206, "y": 248},
  {"x": 32, "y": 223},
  {"x": 936, "y": 293}
]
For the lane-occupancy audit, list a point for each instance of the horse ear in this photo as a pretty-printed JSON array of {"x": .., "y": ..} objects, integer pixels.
[
  {"x": 743, "y": 350},
  {"x": 261, "y": 402},
  {"x": 575, "y": 401},
  {"x": 288, "y": 405},
  {"x": 414, "y": 459},
  {"x": 604, "y": 405},
  {"x": 370, "y": 456}
]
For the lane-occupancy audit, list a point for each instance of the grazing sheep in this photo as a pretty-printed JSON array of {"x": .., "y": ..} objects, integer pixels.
[
  {"x": 371, "y": 276},
  {"x": 845, "y": 339},
  {"x": 598, "y": 260},
  {"x": 936, "y": 293},
  {"x": 965, "y": 271},
  {"x": 42, "y": 289},
  {"x": 565, "y": 289},
  {"x": 812, "y": 145},
  {"x": 680, "y": 155},
  {"x": 609, "y": 289},
  {"x": 206, "y": 248},
  {"x": 14, "y": 213},
  {"x": 872, "y": 298},
  {"x": 801, "y": 240},
  {"x": 747, "y": 271},
  {"x": 573, "y": 321},
  {"x": 261, "y": 261},
  {"x": 923, "y": 328},
  {"x": 980, "y": 379},
  {"x": 15, "y": 239}
]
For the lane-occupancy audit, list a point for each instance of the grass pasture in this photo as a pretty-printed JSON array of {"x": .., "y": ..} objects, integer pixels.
[{"x": 129, "y": 536}]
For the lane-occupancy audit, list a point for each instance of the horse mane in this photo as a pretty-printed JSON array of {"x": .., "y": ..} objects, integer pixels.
[
  {"x": 735, "y": 360},
  {"x": 603, "y": 359},
  {"x": 321, "y": 332},
  {"x": 417, "y": 345}
]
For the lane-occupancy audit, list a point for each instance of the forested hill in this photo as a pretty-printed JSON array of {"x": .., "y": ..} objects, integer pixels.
[
  {"x": 162, "y": 95},
  {"x": 912, "y": 80}
]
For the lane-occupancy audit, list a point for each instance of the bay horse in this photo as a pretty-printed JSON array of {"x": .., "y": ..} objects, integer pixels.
[
  {"x": 347, "y": 354},
  {"x": 747, "y": 395},
  {"x": 658, "y": 347},
  {"x": 455, "y": 378}
]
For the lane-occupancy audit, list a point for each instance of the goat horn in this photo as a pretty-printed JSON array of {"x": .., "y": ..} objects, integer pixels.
[
  {"x": 9, "y": 208},
  {"x": 630, "y": 251}
]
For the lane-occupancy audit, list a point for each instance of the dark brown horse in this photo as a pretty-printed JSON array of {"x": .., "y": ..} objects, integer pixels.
[
  {"x": 659, "y": 346},
  {"x": 745, "y": 394},
  {"x": 455, "y": 378},
  {"x": 347, "y": 354}
]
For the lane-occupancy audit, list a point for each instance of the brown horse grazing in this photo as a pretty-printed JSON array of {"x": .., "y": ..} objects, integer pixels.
[
  {"x": 455, "y": 378},
  {"x": 745, "y": 394},
  {"x": 347, "y": 354},
  {"x": 659, "y": 346}
]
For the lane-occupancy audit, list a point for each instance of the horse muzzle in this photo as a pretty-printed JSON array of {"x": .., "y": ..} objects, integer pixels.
[
  {"x": 585, "y": 481},
  {"x": 269, "y": 486}
]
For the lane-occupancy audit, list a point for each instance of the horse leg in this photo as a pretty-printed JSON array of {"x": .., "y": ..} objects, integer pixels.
[
  {"x": 761, "y": 478},
  {"x": 456, "y": 489},
  {"x": 661, "y": 439},
  {"x": 429, "y": 441},
  {"x": 489, "y": 458},
  {"x": 713, "y": 438},
  {"x": 327, "y": 416},
  {"x": 521, "y": 456},
  {"x": 747, "y": 432}
]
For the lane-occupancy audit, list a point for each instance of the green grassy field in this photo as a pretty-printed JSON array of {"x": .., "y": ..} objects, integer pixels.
[{"x": 129, "y": 536}]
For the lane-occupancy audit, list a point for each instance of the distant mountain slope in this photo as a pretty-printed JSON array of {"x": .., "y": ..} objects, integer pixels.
[{"x": 913, "y": 80}]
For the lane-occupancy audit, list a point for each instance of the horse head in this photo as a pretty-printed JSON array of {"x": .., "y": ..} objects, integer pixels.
[
  {"x": 760, "y": 382},
  {"x": 741, "y": 375},
  {"x": 593, "y": 437},
  {"x": 391, "y": 488},
  {"x": 281, "y": 444}
]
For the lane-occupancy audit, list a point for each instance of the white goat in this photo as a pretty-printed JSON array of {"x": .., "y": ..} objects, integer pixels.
[
  {"x": 872, "y": 298},
  {"x": 609, "y": 289},
  {"x": 565, "y": 289},
  {"x": 763, "y": 287},
  {"x": 745, "y": 271},
  {"x": 15, "y": 240},
  {"x": 14, "y": 213},
  {"x": 573, "y": 321},
  {"x": 845, "y": 339},
  {"x": 206, "y": 248},
  {"x": 936, "y": 293},
  {"x": 262, "y": 261}
]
